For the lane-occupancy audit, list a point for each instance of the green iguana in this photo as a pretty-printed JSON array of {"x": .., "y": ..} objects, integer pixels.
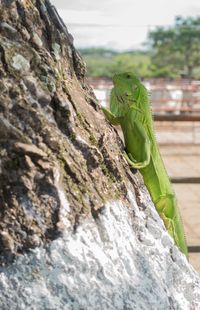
[{"x": 130, "y": 108}]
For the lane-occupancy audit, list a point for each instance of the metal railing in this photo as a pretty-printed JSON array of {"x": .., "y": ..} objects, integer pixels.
[
  {"x": 177, "y": 117},
  {"x": 194, "y": 248},
  {"x": 185, "y": 180}
]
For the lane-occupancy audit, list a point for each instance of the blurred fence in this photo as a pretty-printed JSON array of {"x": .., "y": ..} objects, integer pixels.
[
  {"x": 168, "y": 96},
  {"x": 175, "y": 132},
  {"x": 174, "y": 96}
]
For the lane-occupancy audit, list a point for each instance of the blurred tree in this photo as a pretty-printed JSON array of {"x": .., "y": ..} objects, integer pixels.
[
  {"x": 106, "y": 62},
  {"x": 137, "y": 62},
  {"x": 176, "y": 50}
]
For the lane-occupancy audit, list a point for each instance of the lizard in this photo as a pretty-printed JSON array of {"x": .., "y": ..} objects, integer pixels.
[{"x": 130, "y": 108}]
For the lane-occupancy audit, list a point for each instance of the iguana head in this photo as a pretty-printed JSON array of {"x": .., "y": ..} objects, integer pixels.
[{"x": 128, "y": 91}]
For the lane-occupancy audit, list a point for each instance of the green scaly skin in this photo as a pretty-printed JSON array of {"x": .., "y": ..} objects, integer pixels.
[{"x": 130, "y": 108}]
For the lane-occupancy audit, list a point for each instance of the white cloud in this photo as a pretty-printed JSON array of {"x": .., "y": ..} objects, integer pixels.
[
  {"x": 117, "y": 38},
  {"x": 119, "y": 24}
]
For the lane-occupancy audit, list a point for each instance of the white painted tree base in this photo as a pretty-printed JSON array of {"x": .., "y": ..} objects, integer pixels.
[{"x": 123, "y": 260}]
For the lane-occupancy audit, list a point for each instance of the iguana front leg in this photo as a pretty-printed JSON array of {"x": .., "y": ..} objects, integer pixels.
[
  {"x": 110, "y": 117},
  {"x": 140, "y": 135},
  {"x": 142, "y": 151}
]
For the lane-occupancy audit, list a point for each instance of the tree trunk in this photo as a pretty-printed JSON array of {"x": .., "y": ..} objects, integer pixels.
[
  {"x": 63, "y": 177},
  {"x": 54, "y": 142}
]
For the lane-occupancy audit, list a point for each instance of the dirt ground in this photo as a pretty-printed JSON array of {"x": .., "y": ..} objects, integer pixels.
[{"x": 180, "y": 149}]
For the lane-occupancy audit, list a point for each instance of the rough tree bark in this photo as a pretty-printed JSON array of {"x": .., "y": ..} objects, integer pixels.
[
  {"x": 77, "y": 227},
  {"x": 53, "y": 139}
]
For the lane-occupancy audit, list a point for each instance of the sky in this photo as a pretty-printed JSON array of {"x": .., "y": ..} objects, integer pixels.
[{"x": 120, "y": 24}]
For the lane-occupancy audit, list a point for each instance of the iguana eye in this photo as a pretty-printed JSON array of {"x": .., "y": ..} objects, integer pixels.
[
  {"x": 128, "y": 76},
  {"x": 125, "y": 94}
]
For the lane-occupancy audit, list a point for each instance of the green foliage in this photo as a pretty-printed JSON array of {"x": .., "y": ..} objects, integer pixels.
[
  {"x": 98, "y": 60},
  {"x": 106, "y": 62},
  {"x": 176, "y": 50},
  {"x": 97, "y": 51},
  {"x": 172, "y": 52},
  {"x": 139, "y": 63}
]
